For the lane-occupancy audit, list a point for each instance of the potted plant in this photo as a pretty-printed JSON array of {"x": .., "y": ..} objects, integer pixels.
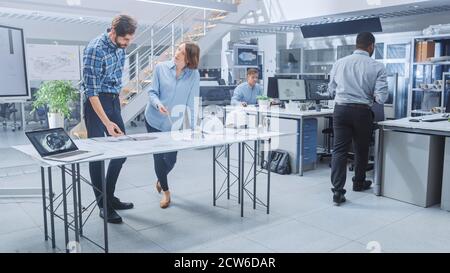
[
  {"x": 56, "y": 96},
  {"x": 263, "y": 102}
]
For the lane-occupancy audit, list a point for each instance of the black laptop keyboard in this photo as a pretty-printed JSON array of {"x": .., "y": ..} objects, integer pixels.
[{"x": 69, "y": 154}]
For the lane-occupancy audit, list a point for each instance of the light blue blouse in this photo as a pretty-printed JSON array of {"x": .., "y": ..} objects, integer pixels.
[{"x": 172, "y": 93}]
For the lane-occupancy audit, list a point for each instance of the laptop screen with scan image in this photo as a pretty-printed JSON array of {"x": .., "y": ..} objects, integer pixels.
[{"x": 51, "y": 141}]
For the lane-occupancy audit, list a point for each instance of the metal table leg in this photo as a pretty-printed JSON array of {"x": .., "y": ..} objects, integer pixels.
[
  {"x": 239, "y": 173},
  {"x": 105, "y": 206},
  {"x": 242, "y": 177},
  {"x": 228, "y": 171},
  {"x": 44, "y": 203},
  {"x": 80, "y": 206},
  {"x": 254, "y": 173},
  {"x": 64, "y": 193},
  {"x": 268, "y": 176},
  {"x": 75, "y": 204},
  {"x": 214, "y": 176},
  {"x": 52, "y": 213},
  {"x": 300, "y": 147}
]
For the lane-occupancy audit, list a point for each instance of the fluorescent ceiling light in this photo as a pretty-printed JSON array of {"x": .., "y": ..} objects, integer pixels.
[{"x": 196, "y": 4}]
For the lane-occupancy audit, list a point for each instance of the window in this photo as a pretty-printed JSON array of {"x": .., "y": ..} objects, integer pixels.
[
  {"x": 397, "y": 51},
  {"x": 379, "y": 51}
]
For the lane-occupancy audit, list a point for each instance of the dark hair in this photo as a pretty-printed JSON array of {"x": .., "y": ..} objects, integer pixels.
[
  {"x": 252, "y": 71},
  {"x": 123, "y": 25},
  {"x": 364, "y": 40},
  {"x": 192, "y": 55}
]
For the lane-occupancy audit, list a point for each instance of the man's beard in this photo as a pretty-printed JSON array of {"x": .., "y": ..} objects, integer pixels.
[{"x": 119, "y": 44}]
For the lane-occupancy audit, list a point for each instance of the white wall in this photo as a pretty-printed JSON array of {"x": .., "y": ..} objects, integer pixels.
[
  {"x": 212, "y": 59},
  {"x": 225, "y": 59},
  {"x": 268, "y": 45}
]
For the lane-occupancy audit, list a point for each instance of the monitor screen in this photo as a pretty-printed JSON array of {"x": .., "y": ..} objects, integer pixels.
[
  {"x": 291, "y": 89},
  {"x": 272, "y": 87},
  {"x": 217, "y": 95},
  {"x": 318, "y": 90},
  {"x": 447, "y": 109},
  {"x": 246, "y": 56},
  {"x": 51, "y": 141}
]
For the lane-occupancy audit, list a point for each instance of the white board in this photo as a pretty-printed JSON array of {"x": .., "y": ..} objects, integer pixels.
[
  {"x": 53, "y": 62},
  {"x": 13, "y": 76}
]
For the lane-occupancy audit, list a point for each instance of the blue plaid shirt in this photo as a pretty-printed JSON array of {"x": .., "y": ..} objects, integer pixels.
[{"x": 103, "y": 64}]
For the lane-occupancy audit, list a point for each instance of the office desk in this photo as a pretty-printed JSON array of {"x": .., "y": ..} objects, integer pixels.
[
  {"x": 409, "y": 161},
  {"x": 299, "y": 117},
  {"x": 164, "y": 142}
]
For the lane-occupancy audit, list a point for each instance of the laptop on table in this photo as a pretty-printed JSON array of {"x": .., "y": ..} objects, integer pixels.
[{"x": 55, "y": 144}]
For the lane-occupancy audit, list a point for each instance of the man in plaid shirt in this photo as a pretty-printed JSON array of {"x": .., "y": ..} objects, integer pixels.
[{"x": 104, "y": 59}]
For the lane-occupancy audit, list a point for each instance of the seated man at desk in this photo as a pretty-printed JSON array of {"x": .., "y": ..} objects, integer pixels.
[{"x": 246, "y": 92}]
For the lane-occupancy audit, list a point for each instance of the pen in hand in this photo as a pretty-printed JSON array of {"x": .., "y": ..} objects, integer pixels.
[{"x": 163, "y": 110}]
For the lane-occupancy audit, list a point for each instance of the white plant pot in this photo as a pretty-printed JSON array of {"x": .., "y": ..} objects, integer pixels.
[
  {"x": 55, "y": 120},
  {"x": 264, "y": 105}
]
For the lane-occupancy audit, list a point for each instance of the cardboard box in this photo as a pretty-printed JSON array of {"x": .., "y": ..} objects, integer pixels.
[
  {"x": 418, "y": 52},
  {"x": 424, "y": 51}
]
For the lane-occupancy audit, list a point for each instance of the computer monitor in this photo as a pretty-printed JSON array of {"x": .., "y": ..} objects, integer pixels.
[
  {"x": 217, "y": 95},
  {"x": 291, "y": 89},
  {"x": 272, "y": 87},
  {"x": 317, "y": 90},
  {"x": 447, "y": 108}
]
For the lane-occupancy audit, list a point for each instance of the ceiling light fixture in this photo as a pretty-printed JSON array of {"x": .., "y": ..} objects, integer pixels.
[{"x": 73, "y": 2}]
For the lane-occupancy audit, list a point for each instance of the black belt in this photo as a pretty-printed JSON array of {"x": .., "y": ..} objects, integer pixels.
[
  {"x": 114, "y": 95},
  {"x": 356, "y": 105}
]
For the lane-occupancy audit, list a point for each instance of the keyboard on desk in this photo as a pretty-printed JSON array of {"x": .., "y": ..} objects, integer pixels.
[{"x": 434, "y": 119}]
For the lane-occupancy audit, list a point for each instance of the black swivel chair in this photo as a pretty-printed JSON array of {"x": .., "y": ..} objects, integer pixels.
[
  {"x": 7, "y": 112},
  {"x": 328, "y": 141}
]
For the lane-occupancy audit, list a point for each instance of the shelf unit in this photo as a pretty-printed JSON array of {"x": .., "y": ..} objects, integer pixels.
[{"x": 421, "y": 101}]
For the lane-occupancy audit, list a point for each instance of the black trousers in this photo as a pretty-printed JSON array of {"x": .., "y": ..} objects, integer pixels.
[
  {"x": 164, "y": 162},
  {"x": 350, "y": 123},
  {"x": 95, "y": 128}
]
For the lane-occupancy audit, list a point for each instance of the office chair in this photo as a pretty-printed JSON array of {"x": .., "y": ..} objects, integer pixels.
[
  {"x": 6, "y": 111},
  {"x": 222, "y": 82},
  {"x": 328, "y": 140}
]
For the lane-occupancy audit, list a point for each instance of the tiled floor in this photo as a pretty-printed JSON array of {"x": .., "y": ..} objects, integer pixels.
[{"x": 302, "y": 216}]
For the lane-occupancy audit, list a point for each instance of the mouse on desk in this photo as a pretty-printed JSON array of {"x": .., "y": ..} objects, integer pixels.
[{"x": 414, "y": 120}]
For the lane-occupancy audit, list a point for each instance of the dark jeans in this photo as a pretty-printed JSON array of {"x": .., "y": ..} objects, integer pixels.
[
  {"x": 350, "y": 123},
  {"x": 95, "y": 128},
  {"x": 164, "y": 162}
]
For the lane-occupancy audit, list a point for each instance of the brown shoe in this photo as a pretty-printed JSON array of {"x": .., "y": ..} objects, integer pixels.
[
  {"x": 158, "y": 187},
  {"x": 164, "y": 203}
]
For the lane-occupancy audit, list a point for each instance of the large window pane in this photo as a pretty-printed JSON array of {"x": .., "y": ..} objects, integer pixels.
[
  {"x": 396, "y": 51},
  {"x": 345, "y": 50},
  {"x": 379, "y": 51},
  {"x": 398, "y": 68}
]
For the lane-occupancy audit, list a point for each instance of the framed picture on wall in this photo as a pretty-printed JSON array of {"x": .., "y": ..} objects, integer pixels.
[{"x": 245, "y": 55}]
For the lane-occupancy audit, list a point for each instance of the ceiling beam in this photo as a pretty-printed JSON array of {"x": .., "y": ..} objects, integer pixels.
[{"x": 196, "y": 4}]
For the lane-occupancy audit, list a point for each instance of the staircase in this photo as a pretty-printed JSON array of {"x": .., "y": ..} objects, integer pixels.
[{"x": 157, "y": 43}]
